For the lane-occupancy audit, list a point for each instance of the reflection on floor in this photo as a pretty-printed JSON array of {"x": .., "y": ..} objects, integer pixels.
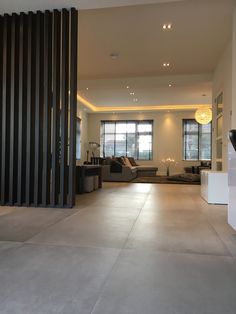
[{"x": 127, "y": 248}]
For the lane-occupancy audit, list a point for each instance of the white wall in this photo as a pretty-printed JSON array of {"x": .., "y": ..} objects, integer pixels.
[
  {"x": 233, "y": 121},
  {"x": 167, "y": 135},
  {"x": 232, "y": 154},
  {"x": 222, "y": 82},
  {"x": 82, "y": 114}
]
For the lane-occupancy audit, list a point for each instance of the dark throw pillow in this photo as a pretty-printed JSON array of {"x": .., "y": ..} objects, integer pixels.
[
  {"x": 116, "y": 167},
  {"x": 132, "y": 161},
  {"x": 120, "y": 160}
]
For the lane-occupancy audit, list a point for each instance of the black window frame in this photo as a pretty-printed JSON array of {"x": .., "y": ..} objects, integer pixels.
[
  {"x": 184, "y": 133},
  {"x": 137, "y": 134}
]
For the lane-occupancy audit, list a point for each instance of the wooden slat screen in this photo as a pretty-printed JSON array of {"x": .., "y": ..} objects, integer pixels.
[{"x": 38, "y": 99}]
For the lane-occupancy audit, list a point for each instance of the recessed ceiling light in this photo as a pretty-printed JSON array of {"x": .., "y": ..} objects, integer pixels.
[
  {"x": 127, "y": 87},
  {"x": 87, "y": 88},
  {"x": 170, "y": 85},
  {"x": 166, "y": 64},
  {"x": 114, "y": 56},
  {"x": 167, "y": 26},
  {"x": 132, "y": 93}
]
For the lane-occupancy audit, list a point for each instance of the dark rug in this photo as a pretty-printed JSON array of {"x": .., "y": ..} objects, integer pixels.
[{"x": 189, "y": 178}]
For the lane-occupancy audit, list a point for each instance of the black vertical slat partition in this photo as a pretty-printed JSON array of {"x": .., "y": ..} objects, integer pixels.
[
  {"x": 1, "y": 85},
  {"x": 22, "y": 81},
  {"x": 72, "y": 110},
  {"x": 56, "y": 105},
  {"x": 38, "y": 99},
  {"x": 64, "y": 107},
  {"x": 47, "y": 107},
  {"x": 29, "y": 104},
  {"x": 4, "y": 104}
]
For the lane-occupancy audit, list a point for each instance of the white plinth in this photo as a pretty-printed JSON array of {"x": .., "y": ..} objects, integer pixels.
[
  {"x": 232, "y": 187},
  {"x": 214, "y": 187}
]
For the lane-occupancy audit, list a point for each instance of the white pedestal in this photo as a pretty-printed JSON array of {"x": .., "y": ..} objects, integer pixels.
[
  {"x": 214, "y": 187},
  {"x": 232, "y": 187}
]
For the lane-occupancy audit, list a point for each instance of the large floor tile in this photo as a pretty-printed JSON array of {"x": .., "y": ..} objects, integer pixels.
[
  {"x": 44, "y": 279},
  {"x": 162, "y": 283},
  {"x": 8, "y": 245},
  {"x": 23, "y": 223},
  {"x": 176, "y": 235},
  {"x": 91, "y": 228}
]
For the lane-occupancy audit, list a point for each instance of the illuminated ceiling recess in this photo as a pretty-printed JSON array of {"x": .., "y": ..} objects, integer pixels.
[
  {"x": 94, "y": 108},
  {"x": 203, "y": 115}
]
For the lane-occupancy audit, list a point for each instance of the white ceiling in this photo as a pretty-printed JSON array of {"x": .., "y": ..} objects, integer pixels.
[
  {"x": 10, "y": 6},
  {"x": 150, "y": 91},
  {"x": 201, "y": 31}
]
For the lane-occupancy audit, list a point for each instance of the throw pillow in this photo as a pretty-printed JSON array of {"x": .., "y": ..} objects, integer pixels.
[
  {"x": 121, "y": 160},
  {"x": 132, "y": 161},
  {"x": 127, "y": 162},
  {"x": 116, "y": 166}
]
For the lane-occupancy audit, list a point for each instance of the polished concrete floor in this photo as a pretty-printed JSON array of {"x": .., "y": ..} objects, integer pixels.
[{"x": 125, "y": 249}]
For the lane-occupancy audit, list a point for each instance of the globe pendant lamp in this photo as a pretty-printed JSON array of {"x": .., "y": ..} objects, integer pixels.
[{"x": 203, "y": 116}]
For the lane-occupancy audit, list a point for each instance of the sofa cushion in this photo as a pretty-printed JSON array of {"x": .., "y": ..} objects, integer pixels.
[
  {"x": 147, "y": 168},
  {"x": 116, "y": 166},
  {"x": 121, "y": 160},
  {"x": 127, "y": 162},
  {"x": 107, "y": 161},
  {"x": 132, "y": 161}
]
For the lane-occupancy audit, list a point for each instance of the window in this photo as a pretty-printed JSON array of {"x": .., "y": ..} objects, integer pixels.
[
  {"x": 196, "y": 140},
  {"x": 127, "y": 138}
]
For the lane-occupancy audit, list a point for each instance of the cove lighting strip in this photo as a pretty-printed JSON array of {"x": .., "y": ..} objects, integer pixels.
[{"x": 140, "y": 108}]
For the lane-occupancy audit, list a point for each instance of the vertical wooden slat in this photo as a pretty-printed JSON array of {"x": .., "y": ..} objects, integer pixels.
[
  {"x": 20, "y": 112},
  {"x": 37, "y": 104},
  {"x": 56, "y": 107},
  {"x": 4, "y": 108},
  {"x": 29, "y": 105},
  {"x": 24, "y": 107},
  {"x": 38, "y": 68},
  {"x": 1, "y": 84},
  {"x": 73, "y": 104},
  {"x": 12, "y": 114},
  {"x": 47, "y": 108},
  {"x": 41, "y": 108},
  {"x": 64, "y": 108}
]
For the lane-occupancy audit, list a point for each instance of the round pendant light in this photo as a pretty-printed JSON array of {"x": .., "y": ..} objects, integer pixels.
[{"x": 203, "y": 116}]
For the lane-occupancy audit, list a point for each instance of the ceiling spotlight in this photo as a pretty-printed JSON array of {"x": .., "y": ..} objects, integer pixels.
[
  {"x": 114, "y": 56},
  {"x": 167, "y": 26},
  {"x": 87, "y": 88},
  {"x": 127, "y": 87},
  {"x": 166, "y": 64},
  {"x": 132, "y": 93},
  {"x": 170, "y": 85}
]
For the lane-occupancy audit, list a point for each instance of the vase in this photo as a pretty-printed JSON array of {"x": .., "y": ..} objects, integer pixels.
[{"x": 167, "y": 171}]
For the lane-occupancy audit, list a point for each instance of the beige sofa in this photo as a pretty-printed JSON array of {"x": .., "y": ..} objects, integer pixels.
[{"x": 127, "y": 173}]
